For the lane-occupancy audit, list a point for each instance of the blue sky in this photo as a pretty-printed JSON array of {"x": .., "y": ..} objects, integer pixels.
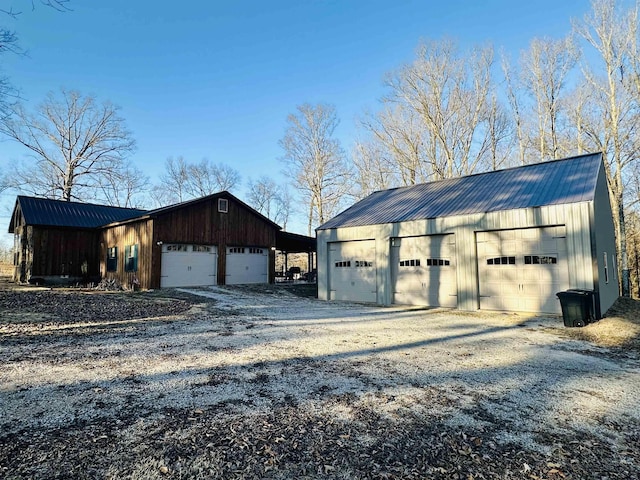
[{"x": 212, "y": 79}]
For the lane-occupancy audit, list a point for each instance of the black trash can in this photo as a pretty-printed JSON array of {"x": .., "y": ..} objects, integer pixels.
[{"x": 577, "y": 307}]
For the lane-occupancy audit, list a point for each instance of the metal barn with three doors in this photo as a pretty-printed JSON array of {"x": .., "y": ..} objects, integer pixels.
[{"x": 505, "y": 240}]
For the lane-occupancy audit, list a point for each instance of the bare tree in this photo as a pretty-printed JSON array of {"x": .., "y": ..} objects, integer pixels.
[
  {"x": 373, "y": 169},
  {"x": 270, "y": 199},
  {"x": 126, "y": 187},
  {"x": 449, "y": 91},
  {"x": 205, "y": 178},
  {"x": 398, "y": 132},
  {"x": 9, "y": 43},
  {"x": 544, "y": 68},
  {"x": 74, "y": 143},
  {"x": 183, "y": 180},
  {"x": 315, "y": 159},
  {"x": 613, "y": 35}
]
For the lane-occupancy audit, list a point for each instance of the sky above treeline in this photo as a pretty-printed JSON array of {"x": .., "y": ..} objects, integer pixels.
[{"x": 216, "y": 79}]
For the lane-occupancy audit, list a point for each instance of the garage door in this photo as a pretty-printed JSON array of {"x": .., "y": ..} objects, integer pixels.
[
  {"x": 352, "y": 271},
  {"x": 423, "y": 270},
  {"x": 521, "y": 270},
  {"x": 185, "y": 265},
  {"x": 247, "y": 265}
]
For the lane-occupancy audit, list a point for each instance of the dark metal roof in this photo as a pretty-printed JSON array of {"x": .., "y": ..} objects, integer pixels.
[
  {"x": 294, "y": 242},
  {"x": 58, "y": 213},
  {"x": 569, "y": 180}
]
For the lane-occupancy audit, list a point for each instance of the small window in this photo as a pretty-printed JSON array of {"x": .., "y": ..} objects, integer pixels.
[
  {"x": 343, "y": 264},
  {"x": 201, "y": 248},
  {"x": 258, "y": 251},
  {"x": 363, "y": 264},
  {"x": 501, "y": 261},
  {"x": 606, "y": 268},
  {"x": 223, "y": 205},
  {"x": 236, "y": 250},
  {"x": 410, "y": 263},
  {"x": 112, "y": 259},
  {"x": 540, "y": 260},
  {"x": 438, "y": 262},
  {"x": 131, "y": 258},
  {"x": 176, "y": 248}
]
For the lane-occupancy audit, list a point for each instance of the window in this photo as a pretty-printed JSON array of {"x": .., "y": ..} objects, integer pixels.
[
  {"x": 201, "y": 248},
  {"x": 606, "y": 269},
  {"x": 259, "y": 251},
  {"x": 236, "y": 250},
  {"x": 540, "y": 259},
  {"x": 131, "y": 258},
  {"x": 501, "y": 261},
  {"x": 438, "y": 262},
  {"x": 176, "y": 248},
  {"x": 112, "y": 259},
  {"x": 363, "y": 263},
  {"x": 343, "y": 264},
  {"x": 223, "y": 205},
  {"x": 415, "y": 262}
]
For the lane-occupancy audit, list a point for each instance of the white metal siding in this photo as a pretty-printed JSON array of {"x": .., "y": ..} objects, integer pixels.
[
  {"x": 188, "y": 265},
  {"x": 352, "y": 271},
  {"x": 423, "y": 270},
  {"x": 247, "y": 265},
  {"x": 574, "y": 216}
]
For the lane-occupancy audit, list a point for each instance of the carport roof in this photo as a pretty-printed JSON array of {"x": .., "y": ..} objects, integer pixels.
[{"x": 569, "y": 180}]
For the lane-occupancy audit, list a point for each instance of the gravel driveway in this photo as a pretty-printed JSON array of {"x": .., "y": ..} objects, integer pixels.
[{"x": 250, "y": 383}]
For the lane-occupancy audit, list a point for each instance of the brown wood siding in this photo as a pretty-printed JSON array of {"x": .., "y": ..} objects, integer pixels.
[
  {"x": 201, "y": 223},
  {"x": 138, "y": 233},
  {"x": 60, "y": 252}
]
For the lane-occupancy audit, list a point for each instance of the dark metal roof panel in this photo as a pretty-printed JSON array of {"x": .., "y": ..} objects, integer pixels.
[
  {"x": 58, "y": 213},
  {"x": 555, "y": 182}
]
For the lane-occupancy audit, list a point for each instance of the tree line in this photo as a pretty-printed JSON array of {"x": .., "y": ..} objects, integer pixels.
[{"x": 446, "y": 113}]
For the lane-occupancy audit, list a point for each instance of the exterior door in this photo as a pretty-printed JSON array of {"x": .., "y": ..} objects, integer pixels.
[
  {"x": 184, "y": 265},
  {"x": 352, "y": 271},
  {"x": 423, "y": 271},
  {"x": 522, "y": 270},
  {"x": 247, "y": 265}
]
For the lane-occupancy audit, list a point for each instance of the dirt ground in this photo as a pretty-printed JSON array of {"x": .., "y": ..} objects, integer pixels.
[{"x": 266, "y": 382}]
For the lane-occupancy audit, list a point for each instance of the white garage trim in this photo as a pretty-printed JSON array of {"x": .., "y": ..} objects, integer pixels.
[
  {"x": 247, "y": 265},
  {"x": 352, "y": 271},
  {"x": 522, "y": 270},
  {"x": 185, "y": 265},
  {"x": 423, "y": 271}
]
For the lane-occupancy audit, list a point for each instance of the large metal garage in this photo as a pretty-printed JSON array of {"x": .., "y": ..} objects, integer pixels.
[{"x": 506, "y": 240}]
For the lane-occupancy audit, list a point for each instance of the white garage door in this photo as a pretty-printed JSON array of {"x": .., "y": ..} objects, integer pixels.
[
  {"x": 423, "y": 270},
  {"x": 522, "y": 270},
  {"x": 352, "y": 271},
  {"x": 247, "y": 265},
  {"x": 185, "y": 265}
]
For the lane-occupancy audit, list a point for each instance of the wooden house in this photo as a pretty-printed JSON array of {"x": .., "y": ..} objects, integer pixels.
[{"x": 214, "y": 240}]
